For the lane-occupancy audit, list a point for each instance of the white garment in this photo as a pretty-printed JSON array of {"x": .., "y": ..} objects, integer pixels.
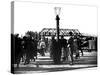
[{"x": 42, "y": 44}]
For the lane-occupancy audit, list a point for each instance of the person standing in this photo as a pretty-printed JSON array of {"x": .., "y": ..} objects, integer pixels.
[
  {"x": 28, "y": 50},
  {"x": 79, "y": 42},
  {"x": 63, "y": 44},
  {"x": 55, "y": 52},
  {"x": 71, "y": 45},
  {"x": 76, "y": 46},
  {"x": 52, "y": 46},
  {"x": 43, "y": 46}
]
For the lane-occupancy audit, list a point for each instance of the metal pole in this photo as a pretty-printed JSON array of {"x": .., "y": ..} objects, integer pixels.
[{"x": 57, "y": 21}]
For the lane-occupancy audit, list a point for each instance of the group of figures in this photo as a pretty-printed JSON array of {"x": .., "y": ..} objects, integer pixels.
[
  {"x": 26, "y": 49},
  {"x": 69, "y": 47}
]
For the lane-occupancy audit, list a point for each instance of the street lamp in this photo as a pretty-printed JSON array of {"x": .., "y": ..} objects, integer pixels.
[
  {"x": 57, "y": 51},
  {"x": 57, "y": 12}
]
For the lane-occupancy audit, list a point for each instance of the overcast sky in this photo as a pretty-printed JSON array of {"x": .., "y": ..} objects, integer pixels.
[{"x": 36, "y": 16}]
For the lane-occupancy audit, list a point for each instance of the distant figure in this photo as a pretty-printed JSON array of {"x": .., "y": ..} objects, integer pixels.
[{"x": 43, "y": 46}]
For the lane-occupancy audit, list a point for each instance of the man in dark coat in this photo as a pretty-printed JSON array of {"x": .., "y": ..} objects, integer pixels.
[
  {"x": 52, "y": 47},
  {"x": 63, "y": 45},
  {"x": 55, "y": 51}
]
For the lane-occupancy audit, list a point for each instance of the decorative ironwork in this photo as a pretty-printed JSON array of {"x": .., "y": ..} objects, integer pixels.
[{"x": 52, "y": 31}]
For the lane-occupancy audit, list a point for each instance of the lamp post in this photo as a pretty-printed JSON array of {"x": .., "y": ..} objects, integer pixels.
[
  {"x": 57, "y": 51},
  {"x": 57, "y": 12}
]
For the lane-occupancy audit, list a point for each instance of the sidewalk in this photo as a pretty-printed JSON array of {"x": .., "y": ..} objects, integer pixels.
[{"x": 45, "y": 64}]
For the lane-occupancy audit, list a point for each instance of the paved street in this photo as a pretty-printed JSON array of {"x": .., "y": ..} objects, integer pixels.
[{"x": 45, "y": 64}]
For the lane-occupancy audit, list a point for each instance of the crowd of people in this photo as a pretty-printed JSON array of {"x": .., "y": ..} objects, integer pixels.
[
  {"x": 27, "y": 48},
  {"x": 65, "y": 47}
]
